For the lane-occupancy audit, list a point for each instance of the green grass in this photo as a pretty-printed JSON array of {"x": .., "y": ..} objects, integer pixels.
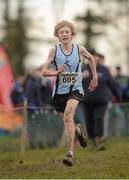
[{"x": 88, "y": 163}]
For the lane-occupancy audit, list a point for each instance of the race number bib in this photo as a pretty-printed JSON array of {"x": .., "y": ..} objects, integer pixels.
[{"x": 68, "y": 78}]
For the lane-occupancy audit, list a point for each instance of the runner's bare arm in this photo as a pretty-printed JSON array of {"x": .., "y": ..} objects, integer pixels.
[
  {"x": 83, "y": 52},
  {"x": 91, "y": 61},
  {"x": 48, "y": 72}
]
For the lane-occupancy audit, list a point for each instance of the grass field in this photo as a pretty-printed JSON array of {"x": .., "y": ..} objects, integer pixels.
[{"x": 47, "y": 164}]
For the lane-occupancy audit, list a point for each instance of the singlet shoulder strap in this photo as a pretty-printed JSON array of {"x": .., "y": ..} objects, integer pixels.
[
  {"x": 79, "y": 59},
  {"x": 57, "y": 79},
  {"x": 54, "y": 62}
]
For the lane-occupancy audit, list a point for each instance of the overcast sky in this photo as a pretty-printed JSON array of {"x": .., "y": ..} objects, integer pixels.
[
  {"x": 45, "y": 15},
  {"x": 50, "y": 14}
]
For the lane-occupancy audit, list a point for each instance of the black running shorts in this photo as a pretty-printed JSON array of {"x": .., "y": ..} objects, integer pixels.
[{"x": 60, "y": 100}]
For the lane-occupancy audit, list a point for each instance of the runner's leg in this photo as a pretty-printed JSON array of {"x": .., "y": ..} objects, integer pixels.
[{"x": 68, "y": 118}]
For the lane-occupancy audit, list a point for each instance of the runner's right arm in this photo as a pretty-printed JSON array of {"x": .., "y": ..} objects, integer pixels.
[{"x": 48, "y": 72}]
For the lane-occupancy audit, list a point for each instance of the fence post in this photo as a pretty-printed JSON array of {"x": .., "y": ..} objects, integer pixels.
[{"x": 24, "y": 132}]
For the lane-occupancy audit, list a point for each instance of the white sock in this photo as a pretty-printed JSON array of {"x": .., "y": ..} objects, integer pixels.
[{"x": 70, "y": 153}]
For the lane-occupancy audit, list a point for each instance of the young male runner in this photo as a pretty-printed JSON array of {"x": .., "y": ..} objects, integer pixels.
[{"x": 68, "y": 91}]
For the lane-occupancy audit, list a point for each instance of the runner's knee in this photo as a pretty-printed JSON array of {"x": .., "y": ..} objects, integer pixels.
[{"x": 68, "y": 115}]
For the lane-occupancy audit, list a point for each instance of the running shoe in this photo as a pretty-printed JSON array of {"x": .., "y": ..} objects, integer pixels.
[
  {"x": 81, "y": 137},
  {"x": 68, "y": 160}
]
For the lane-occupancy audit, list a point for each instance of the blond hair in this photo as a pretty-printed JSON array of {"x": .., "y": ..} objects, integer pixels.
[{"x": 62, "y": 24}]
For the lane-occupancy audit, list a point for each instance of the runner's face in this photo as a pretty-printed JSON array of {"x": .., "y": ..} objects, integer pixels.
[{"x": 65, "y": 35}]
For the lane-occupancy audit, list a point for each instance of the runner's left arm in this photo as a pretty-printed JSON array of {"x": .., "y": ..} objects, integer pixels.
[{"x": 83, "y": 52}]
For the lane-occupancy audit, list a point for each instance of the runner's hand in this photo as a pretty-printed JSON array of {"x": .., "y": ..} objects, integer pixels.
[
  {"x": 61, "y": 69},
  {"x": 93, "y": 84}
]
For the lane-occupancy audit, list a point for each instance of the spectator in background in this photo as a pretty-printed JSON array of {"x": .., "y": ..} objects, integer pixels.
[
  {"x": 33, "y": 93},
  {"x": 123, "y": 84},
  {"x": 32, "y": 88},
  {"x": 46, "y": 91},
  {"x": 101, "y": 59},
  {"x": 122, "y": 111},
  {"x": 17, "y": 94},
  {"x": 95, "y": 103}
]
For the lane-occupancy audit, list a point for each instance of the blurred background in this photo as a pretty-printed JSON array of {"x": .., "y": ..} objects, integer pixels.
[
  {"x": 26, "y": 28},
  {"x": 26, "y": 35}
]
